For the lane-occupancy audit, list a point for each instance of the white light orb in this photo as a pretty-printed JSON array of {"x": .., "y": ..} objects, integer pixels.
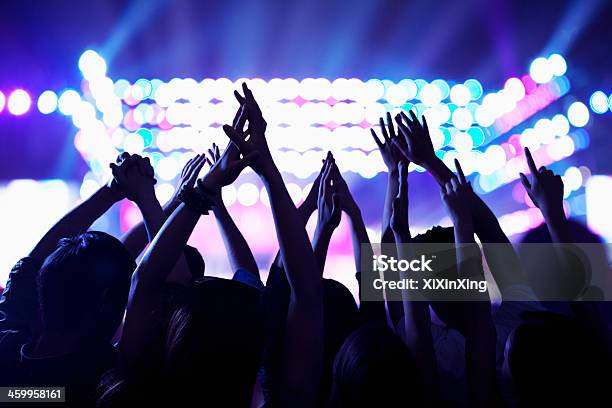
[
  {"x": 557, "y": 64},
  {"x": 460, "y": 95},
  {"x": 540, "y": 70},
  {"x": 19, "y": 102},
  {"x": 578, "y": 114}
]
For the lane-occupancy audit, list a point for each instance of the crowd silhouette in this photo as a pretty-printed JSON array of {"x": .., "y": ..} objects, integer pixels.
[{"x": 79, "y": 312}]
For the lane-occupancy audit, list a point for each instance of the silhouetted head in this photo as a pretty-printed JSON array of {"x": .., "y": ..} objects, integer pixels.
[
  {"x": 340, "y": 319},
  {"x": 374, "y": 368},
  {"x": 436, "y": 235},
  {"x": 580, "y": 233},
  {"x": 195, "y": 262},
  {"x": 555, "y": 360},
  {"x": 84, "y": 284},
  {"x": 583, "y": 264},
  {"x": 214, "y": 343}
]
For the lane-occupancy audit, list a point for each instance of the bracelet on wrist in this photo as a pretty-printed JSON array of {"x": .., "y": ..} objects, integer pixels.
[{"x": 196, "y": 199}]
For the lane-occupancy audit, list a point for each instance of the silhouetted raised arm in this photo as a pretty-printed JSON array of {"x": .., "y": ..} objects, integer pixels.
[
  {"x": 391, "y": 156},
  {"x": 329, "y": 214},
  {"x": 473, "y": 312},
  {"x": 238, "y": 250},
  {"x": 157, "y": 263},
  {"x": 80, "y": 218},
  {"x": 304, "y": 331},
  {"x": 416, "y": 319},
  {"x": 137, "y": 238},
  {"x": 502, "y": 259}
]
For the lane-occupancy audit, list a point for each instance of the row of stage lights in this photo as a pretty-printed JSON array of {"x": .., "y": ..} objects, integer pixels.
[{"x": 170, "y": 121}]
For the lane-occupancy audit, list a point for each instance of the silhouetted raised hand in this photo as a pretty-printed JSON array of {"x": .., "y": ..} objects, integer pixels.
[
  {"x": 134, "y": 177},
  {"x": 545, "y": 188},
  {"x": 254, "y": 138},
  {"x": 388, "y": 149},
  {"x": 458, "y": 196},
  {"x": 189, "y": 175},
  {"x": 328, "y": 202},
  {"x": 417, "y": 146},
  {"x": 226, "y": 168}
]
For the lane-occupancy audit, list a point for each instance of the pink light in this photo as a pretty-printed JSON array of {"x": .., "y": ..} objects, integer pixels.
[
  {"x": 129, "y": 215},
  {"x": 2, "y": 101},
  {"x": 19, "y": 102}
]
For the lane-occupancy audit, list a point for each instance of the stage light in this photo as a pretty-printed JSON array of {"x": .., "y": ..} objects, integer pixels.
[
  {"x": 433, "y": 117},
  {"x": 2, "y": 101},
  {"x": 68, "y": 101},
  {"x": 47, "y": 102},
  {"x": 578, "y": 114},
  {"x": 295, "y": 192},
  {"x": 540, "y": 70},
  {"x": 229, "y": 195},
  {"x": 248, "y": 194},
  {"x": 477, "y": 135},
  {"x": 545, "y": 130},
  {"x": 515, "y": 89},
  {"x": 373, "y": 90},
  {"x": 167, "y": 168},
  {"x": 19, "y": 102},
  {"x": 475, "y": 88},
  {"x": 462, "y": 142},
  {"x": 396, "y": 95},
  {"x": 573, "y": 178},
  {"x": 92, "y": 65},
  {"x": 599, "y": 102},
  {"x": 484, "y": 116},
  {"x": 306, "y": 89},
  {"x": 411, "y": 88},
  {"x": 557, "y": 65},
  {"x": 443, "y": 86},
  {"x": 561, "y": 125},
  {"x": 462, "y": 118},
  {"x": 437, "y": 137},
  {"x": 164, "y": 192},
  {"x": 340, "y": 89},
  {"x": 460, "y": 95},
  {"x": 263, "y": 197},
  {"x": 83, "y": 115},
  {"x": 431, "y": 95}
]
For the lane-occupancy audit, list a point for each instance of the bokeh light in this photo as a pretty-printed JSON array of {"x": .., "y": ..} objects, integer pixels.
[
  {"x": 92, "y": 65},
  {"x": 475, "y": 88},
  {"x": 540, "y": 70},
  {"x": 68, "y": 101},
  {"x": 431, "y": 95},
  {"x": 2, "y": 101},
  {"x": 599, "y": 102},
  {"x": 19, "y": 102},
  {"x": 578, "y": 114},
  {"x": 47, "y": 102},
  {"x": 460, "y": 95},
  {"x": 557, "y": 64}
]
